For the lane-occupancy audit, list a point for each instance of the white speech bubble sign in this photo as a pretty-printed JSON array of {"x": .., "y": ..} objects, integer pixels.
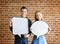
[
  {"x": 39, "y": 28},
  {"x": 20, "y": 25}
]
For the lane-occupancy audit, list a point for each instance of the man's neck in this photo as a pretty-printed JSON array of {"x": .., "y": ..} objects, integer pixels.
[{"x": 23, "y": 17}]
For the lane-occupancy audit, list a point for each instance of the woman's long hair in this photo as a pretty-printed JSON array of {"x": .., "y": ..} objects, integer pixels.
[{"x": 36, "y": 19}]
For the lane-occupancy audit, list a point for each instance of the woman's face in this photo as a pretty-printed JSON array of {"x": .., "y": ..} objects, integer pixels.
[{"x": 39, "y": 15}]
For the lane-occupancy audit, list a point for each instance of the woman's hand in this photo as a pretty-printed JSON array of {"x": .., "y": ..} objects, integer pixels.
[{"x": 49, "y": 29}]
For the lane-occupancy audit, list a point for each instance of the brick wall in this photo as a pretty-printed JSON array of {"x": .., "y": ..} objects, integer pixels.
[{"x": 49, "y": 8}]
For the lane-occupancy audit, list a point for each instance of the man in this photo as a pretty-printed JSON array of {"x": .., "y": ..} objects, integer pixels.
[{"x": 24, "y": 37}]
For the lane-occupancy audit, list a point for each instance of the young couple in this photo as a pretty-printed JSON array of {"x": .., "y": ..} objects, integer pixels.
[{"x": 24, "y": 38}]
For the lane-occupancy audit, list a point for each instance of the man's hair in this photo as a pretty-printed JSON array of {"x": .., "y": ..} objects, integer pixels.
[{"x": 24, "y": 8}]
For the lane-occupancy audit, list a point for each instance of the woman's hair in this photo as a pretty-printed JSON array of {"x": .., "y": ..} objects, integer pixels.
[{"x": 36, "y": 19}]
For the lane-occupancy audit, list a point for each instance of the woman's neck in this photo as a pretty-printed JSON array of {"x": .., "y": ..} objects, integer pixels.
[{"x": 40, "y": 19}]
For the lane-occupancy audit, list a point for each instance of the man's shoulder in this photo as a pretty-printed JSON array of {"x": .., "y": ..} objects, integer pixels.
[{"x": 29, "y": 20}]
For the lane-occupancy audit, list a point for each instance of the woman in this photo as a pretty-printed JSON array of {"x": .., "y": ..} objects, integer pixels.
[{"x": 41, "y": 39}]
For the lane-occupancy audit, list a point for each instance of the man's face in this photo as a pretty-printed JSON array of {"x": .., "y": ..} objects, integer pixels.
[{"x": 24, "y": 12}]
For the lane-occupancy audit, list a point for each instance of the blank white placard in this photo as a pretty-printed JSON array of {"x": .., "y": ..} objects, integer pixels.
[
  {"x": 20, "y": 25},
  {"x": 39, "y": 28}
]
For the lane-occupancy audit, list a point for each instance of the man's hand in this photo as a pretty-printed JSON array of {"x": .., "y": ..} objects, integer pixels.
[{"x": 26, "y": 35}]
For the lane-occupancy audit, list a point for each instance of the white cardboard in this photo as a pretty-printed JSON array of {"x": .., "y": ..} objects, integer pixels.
[
  {"x": 20, "y": 25},
  {"x": 39, "y": 28}
]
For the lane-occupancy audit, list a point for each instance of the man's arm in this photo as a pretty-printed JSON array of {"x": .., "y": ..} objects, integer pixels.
[
  {"x": 10, "y": 25},
  {"x": 29, "y": 25}
]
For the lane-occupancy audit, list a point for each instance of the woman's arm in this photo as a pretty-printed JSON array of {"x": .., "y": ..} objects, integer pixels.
[{"x": 49, "y": 29}]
